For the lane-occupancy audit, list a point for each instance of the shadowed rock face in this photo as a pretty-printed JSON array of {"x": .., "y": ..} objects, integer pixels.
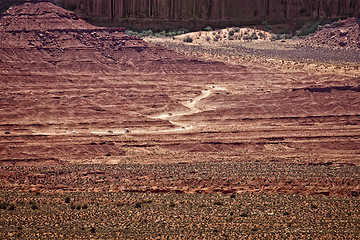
[{"x": 168, "y": 13}]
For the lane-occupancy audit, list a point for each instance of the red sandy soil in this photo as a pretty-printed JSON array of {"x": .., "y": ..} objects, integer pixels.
[
  {"x": 148, "y": 142},
  {"x": 70, "y": 90}
]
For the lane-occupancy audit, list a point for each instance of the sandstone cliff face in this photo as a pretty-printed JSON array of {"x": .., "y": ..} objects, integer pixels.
[{"x": 213, "y": 12}]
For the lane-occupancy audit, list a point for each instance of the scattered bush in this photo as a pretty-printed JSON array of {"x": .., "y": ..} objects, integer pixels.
[
  {"x": 138, "y": 205},
  {"x": 172, "y": 205},
  {"x": 11, "y": 207},
  {"x": 67, "y": 200},
  {"x": 149, "y": 33},
  {"x": 92, "y": 230},
  {"x": 85, "y": 206},
  {"x": 244, "y": 214},
  {"x": 4, "y": 205},
  {"x": 266, "y": 26},
  {"x": 237, "y": 29},
  {"x": 72, "y": 206},
  {"x": 208, "y": 28},
  {"x": 188, "y": 39},
  {"x": 313, "y": 206},
  {"x": 217, "y": 38},
  {"x": 309, "y": 28},
  {"x": 232, "y": 196},
  {"x": 34, "y": 206},
  {"x": 218, "y": 203},
  {"x": 254, "y": 36},
  {"x": 231, "y": 33},
  {"x": 78, "y": 207}
]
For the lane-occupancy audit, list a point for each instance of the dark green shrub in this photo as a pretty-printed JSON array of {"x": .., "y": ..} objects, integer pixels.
[
  {"x": 78, "y": 207},
  {"x": 85, "y": 206},
  {"x": 172, "y": 205},
  {"x": 231, "y": 33},
  {"x": 92, "y": 230},
  {"x": 67, "y": 200},
  {"x": 138, "y": 205}
]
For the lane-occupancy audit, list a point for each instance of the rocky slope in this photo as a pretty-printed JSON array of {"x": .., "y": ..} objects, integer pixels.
[
  {"x": 190, "y": 13},
  {"x": 341, "y": 34},
  {"x": 39, "y": 36}
]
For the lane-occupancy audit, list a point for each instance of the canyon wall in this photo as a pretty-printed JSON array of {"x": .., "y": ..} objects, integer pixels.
[
  {"x": 199, "y": 13},
  {"x": 192, "y": 13}
]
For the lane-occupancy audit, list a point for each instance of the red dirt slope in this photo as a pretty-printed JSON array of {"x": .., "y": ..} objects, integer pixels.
[{"x": 41, "y": 37}]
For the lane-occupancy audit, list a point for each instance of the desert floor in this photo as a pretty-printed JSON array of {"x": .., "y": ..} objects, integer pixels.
[{"x": 171, "y": 140}]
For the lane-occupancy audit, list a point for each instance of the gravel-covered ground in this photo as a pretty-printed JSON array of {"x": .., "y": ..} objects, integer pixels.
[{"x": 177, "y": 216}]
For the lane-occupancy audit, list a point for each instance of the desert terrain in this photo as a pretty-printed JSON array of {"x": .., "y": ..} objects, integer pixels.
[{"x": 109, "y": 136}]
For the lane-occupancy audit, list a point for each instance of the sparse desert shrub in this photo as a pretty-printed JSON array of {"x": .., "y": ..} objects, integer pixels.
[
  {"x": 207, "y": 38},
  {"x": 254, "y": 36},
  {"x": 188, "y": 39},
  {"x": 208, "y": 28},
  {"x": 275, "y": 37},
  {"x": 254, "y": 229},
  {"x": 266, "y": 25},
  {"x": 237, "y": 29},
  {"x": 34, "y": 206},
  {"x": 85, "y": 206},
  {"x": 172, "y": 205},
  {"x": 313, "y": 206},
  {"x": 217, "y": 38},
  {"x": 92, "y": 230},
  {"x": 311, "y": 27},
  {"x": 67, "y": 200},
  {"x": 231, "y": 33},
  {"x": 218, "y": 203},
  {"x": 285, "y": 36},
  {"x": 232, "y": 196},
  {"x": 72, "y": 206},
  {"x": 244, "y": 214},
  {"x": 78, "y": 207},
  {"x": 138, "y": 205},
  {"x": 4, "y": 205},
  {"x": 11, "y": 207},
  {"x": 286, "y": 213}
]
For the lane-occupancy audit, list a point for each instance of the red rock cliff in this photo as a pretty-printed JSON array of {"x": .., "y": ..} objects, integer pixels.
[{"x": 214, "y": 12}]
